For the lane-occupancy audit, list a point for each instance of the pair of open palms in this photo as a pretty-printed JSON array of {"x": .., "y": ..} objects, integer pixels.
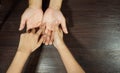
[{"x": 34, "y": 17}]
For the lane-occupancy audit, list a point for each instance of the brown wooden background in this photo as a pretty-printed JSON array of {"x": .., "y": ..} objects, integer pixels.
[{"x": 94, "y": 37}]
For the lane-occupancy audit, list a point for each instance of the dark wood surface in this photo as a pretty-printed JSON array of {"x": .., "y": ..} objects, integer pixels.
[{"x": 94, "y": 37}]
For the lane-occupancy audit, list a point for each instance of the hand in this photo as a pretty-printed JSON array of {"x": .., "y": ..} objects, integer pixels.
[
  {"x": 32, "y": 17},
  {"x": 51, "y": 18},
  {"x": 30, "y": 41},
  {"x": 58, "y": 37}
]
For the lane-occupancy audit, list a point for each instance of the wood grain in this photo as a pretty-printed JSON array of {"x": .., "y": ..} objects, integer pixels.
[{"x": 94, "y": 37}]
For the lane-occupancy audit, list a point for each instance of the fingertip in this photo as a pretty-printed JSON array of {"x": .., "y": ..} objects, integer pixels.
[
  {"x": 21, "y": 28},
  {"x": 46, "y": 43},
  {"x": 50, "y": 43},
  {"x": 44, "y": 38},
  {"x": 65, "y": 30},
  {"x": 43, "y": 41}
]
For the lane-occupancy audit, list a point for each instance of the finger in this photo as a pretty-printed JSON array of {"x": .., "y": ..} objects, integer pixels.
[
  {"x": 64, "y": 28},
  {"x": 51, "y": 39},
  {"x": 47, "y": 40},
  {"x": 28, "y": 27},
  {"x": 22, "y": 24},
  {"x": 49, "y": 33},
  {"x": 48, "y": 37},
  {"x": 43, "y": 26},
  {"x": 48, "y": 26},
  {"x": 58, "y": 31},
  {"x": 46, "y": 31},
  {"x": 39, "y": 31},
  {"x": 44, "y": 38}
]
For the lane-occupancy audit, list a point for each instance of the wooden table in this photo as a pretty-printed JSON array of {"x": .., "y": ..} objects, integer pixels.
[{"x": 94, "y": 37}]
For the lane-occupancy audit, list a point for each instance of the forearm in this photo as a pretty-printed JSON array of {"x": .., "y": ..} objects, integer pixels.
[
  {"x": 35, "y": 3},
  {"x": 70, "y": 63},
  {"x": 18, "y": 62},
  {"x": 55, "y": 4}
]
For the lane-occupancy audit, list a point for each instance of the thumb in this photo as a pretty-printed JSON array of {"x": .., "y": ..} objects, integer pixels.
[
  {"x": 22, "y": 24},
  {"x": 64, "y": 27}
]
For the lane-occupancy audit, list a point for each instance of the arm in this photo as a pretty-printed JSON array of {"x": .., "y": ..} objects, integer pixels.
[
  {"x": 70, "y": 63},
  {"x": 28, "y": 43},
  {"x": 32, "y": 16},
  {"x": 18, "y": 62}
]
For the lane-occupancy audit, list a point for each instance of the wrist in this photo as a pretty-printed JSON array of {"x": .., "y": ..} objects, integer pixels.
[
  {"x": 35, "y": 3},
  {"x": 55, "y": 8},
  {"x": 55, "y": 4},
  {"x": 35, "y": 7},
  {"x": 61, "y": 45},
  {"x": 24, "y": 51}
]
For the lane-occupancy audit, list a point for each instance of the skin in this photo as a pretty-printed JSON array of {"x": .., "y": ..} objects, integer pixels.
[
  {"x": 32, "y": 16},
  {"x": 71, "y": 66},
  {"x": 52, "y": 17},
  {"x": 28, "y": 43}
]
